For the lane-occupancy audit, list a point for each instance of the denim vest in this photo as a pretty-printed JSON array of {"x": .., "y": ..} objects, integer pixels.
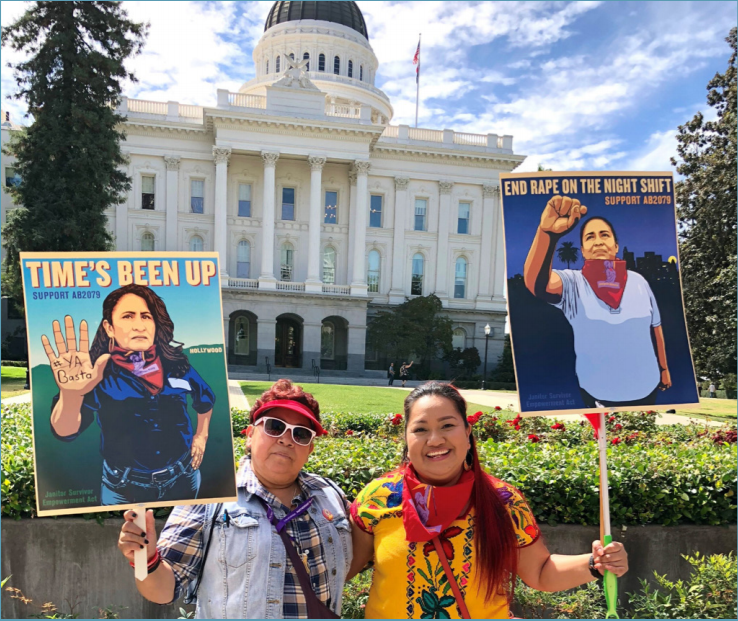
[{"x": 243, "y": 574}]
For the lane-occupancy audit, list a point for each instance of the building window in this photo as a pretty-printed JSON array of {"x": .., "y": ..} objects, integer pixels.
[
  {"x": 288, "y": 203},
  {"x": 267, "y": 66},
  {"x": 148, "y": 242},
  {"x": 372, "y": 276},
  {"x": 458, "y": 341},
  {"x": 242, "y": 336},
  {"x": 278, "y": 64},
  {"x": 330, "y": 215},
  {"x": 288, "y": 262},
  {"x": 306, "y": 56},
  {"x": 292, "y": 55},
  {"x": 243, "y": 261},
  {"x": 351, "y": 69},
  {"x": 460, "y": 278},
  {"x": 336, "y": 65},
  {"x": 244, "y": 200},
  {"x": 328, "y": 341},
  {"x": 321, "y": 62},
  {"x": 463, "y": 228},
  {"x": 421, "y": 208},
  {"x": 195, "y": 243},
  {"x": 197, "y": 194},
  {"x": 12, "y": 179},
  {"x": 147, "y": 192},
  {"x": 329, "y": 265},
  {"x": 375, "y": 212},
  {"x": 361, "y": 73},
  {"x": 416, "y": 288}
]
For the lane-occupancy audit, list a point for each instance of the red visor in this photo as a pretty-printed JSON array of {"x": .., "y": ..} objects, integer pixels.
[{"x": 295, "y": 406}]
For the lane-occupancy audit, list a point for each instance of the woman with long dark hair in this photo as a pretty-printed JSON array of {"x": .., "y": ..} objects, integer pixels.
[
  {"x": 448, "y": 540},
  {"x": 136, "y": 382}
]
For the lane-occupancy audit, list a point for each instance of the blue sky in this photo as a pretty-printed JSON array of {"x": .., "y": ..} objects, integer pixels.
[{"x": 580, "y": 86}]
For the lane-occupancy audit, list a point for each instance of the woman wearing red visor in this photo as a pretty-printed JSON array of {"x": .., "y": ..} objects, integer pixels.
[{"x": 282, "y": 551}]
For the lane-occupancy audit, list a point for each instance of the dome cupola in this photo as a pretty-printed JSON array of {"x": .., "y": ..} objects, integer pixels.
[
  {"x": 344, "y": 13},
  {"x": 332, "y": 39}
]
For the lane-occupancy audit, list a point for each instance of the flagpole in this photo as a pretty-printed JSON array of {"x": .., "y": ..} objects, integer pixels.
[{"x": 417, "y": 84}]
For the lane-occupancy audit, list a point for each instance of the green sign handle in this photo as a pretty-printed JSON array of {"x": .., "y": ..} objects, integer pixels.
[{"x": 611, "y": 589}]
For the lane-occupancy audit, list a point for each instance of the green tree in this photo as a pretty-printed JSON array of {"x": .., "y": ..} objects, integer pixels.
[
  {"x": 69, "y": 158},
  {"x": 568, "y": 253},
  {"x": 417, "y": 327},
  {"x": 505, "y": 369},
  {"x": 706, "y": 199}
]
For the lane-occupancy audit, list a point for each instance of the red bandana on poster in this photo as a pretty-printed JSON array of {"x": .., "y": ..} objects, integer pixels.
[
  {"x": 607, "y": 279},
  {"x": 145, "y": 365}
]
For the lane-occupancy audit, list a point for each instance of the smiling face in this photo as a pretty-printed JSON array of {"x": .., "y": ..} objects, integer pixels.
[
  {"x": 277, "y": 461},
  {"x": 437, "y": 440},
  {"x": 133, "y": 326},
  {"x": 598, "y": 241}
]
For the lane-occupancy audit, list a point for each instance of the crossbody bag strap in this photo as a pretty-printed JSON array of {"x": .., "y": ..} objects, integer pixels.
[
  {"x": 193, "y": 593},
  {"x": 451, "y": 580}
]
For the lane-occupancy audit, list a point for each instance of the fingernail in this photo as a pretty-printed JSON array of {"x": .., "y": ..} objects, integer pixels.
[
  {"x": 143, "y": 534},
  {"x": 134, "y": 515},
  {"x": 140, "y": 546},
  {"x": 146, "y": 541}
]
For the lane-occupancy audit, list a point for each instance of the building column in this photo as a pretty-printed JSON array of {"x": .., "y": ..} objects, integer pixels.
[
  {"x": 266, "y": 332},
  {"x": 358, "y": 284},
  {"x": 498, "y": 284},
  {"x": 311, "y": 333},
  {"x": 397, "y": 291},
  {"x": 170, "y": 236},
  {"x": 221, "y": 156},
  {"x": 489, "y": 228},
  {"x": 313, "y": 284},
  {"x": 356, "y": 348},
  {"x": 444, "y": 218},
  {"x": 352, "y": 217},
  {"x": 267, "y": 279},
  {"x": 121, "y": 211}
]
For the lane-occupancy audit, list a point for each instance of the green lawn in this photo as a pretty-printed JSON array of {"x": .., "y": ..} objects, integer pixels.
[
  {"x": 719, "y": 409},
  {"x": 13, "y": 379},
  {"x": 337, "y": 398}
]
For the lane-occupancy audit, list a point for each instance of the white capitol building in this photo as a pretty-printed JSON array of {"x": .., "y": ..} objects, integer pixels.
[{"x": 322, "y": 211}]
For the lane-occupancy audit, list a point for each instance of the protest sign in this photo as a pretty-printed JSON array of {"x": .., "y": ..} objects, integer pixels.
[
  {"x": 128, "y": 380},
  {"x": 594, "y": 292}
]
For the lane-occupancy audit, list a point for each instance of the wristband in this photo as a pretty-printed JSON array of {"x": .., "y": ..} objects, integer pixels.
[
  {"x": 592, "y": 569},
  {"x": 152, "y": 564}
]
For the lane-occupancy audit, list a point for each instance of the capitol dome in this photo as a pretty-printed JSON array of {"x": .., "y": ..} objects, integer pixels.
[
  {"x": 333, "y": 38},
  {"x": 346, "y": 13}
]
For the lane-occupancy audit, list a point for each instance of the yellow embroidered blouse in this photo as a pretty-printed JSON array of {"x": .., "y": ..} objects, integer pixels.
[{"x": 409, "y": 581}]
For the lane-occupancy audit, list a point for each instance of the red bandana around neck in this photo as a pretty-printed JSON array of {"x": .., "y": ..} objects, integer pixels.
[
  {"x": 427, "y": 510},
  {"x": 145, "y": 365},
  {"x": 607, "y": 279}
]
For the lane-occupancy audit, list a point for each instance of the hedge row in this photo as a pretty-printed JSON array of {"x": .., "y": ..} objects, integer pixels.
[{"x": 668, "y": 482}]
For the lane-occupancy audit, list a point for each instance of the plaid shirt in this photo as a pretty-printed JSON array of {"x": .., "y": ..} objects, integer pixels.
[{"x": 181, "y": 541}]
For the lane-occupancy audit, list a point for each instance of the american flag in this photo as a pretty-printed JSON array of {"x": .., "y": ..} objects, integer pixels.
[{"x": 416, "y": 61}]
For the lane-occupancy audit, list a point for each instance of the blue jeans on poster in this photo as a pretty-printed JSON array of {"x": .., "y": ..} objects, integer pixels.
[{"x": 121, "y": 488}]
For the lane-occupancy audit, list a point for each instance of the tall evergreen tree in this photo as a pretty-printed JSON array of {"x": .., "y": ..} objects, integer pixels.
[
  {"x": 706, "y": 201},
  {"x": 69, "y": 158}
]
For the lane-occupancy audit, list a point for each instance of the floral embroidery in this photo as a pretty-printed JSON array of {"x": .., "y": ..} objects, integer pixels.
[
  {"x": 395, "y": 498},
  {"x": 447, "y": 546}
]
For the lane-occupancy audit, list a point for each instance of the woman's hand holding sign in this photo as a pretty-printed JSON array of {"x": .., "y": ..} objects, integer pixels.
[
  {"x": 73, "y": 372},
  {"x": 561, "y": 215}
]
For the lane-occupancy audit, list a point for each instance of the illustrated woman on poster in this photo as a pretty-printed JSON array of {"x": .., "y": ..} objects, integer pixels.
[
  {"x": 618, "y": 338},
  {"x": 137, "y": 383}
]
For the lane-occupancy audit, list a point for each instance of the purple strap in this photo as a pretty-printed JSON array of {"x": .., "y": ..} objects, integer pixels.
[{"x": 290, "y": 516}]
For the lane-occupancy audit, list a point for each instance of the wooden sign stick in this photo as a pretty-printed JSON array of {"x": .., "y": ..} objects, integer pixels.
[{"x": 140, "y": 557}]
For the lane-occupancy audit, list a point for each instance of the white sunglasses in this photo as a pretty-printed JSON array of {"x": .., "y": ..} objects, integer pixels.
[{"x": 276, "y": 428}]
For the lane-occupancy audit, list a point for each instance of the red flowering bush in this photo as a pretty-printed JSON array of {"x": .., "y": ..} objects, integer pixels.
[
  {"x": 533, "y": 437},
  {"x": 723, "y": 436},
  {"x": 558, "y": 426},
  {"x": 497, "y": 408},
  {"x": 618, "y": 427},
  {"x": 474, "y": 418},
  {"x": 615, "y": 441},
  {"x": 396, "y": 419},
  {"x": 350, "y": 432}
]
